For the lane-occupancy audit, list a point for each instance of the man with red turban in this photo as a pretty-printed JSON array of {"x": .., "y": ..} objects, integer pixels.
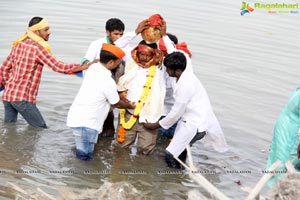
[{"x": 144, "y": 84}]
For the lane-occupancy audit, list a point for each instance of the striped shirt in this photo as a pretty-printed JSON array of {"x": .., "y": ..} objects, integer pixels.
[{"x": 21, "y": 71}]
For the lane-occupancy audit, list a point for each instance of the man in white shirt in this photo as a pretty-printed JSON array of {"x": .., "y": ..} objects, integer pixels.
[
  {"x": 114, "y": 30},
  {"x": 144, "y": 84},
  {"x": 192, "y": 110},
  {"x": 93, "y": 101},
  {"x": 172, "y": 45}
]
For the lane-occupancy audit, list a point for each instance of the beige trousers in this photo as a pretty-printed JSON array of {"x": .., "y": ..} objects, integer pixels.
[{"x": 146, "y": 138}]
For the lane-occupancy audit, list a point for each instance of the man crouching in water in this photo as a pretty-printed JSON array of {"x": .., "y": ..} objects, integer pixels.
[{"x": 192, "y": 110}]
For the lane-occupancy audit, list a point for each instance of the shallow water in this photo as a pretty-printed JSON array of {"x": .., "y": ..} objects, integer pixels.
[{"x": 248, "y": 64}]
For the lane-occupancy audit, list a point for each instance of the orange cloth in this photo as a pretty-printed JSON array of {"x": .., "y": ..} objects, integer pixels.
[
  {"x": 119, "y": 53},
  {"x": 155, "y": 20}
]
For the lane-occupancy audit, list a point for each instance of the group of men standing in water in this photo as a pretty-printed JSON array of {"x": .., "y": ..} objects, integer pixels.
[{"x": 152, "y": 84}]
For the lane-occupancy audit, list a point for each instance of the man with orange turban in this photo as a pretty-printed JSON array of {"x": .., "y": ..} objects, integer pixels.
[
  {"x": 114, "y": 29},
  {"x": 21, "y": 72},
  {"x": 92, "y": 103}
]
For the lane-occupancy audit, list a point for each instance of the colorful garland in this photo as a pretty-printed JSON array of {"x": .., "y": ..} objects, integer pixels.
[{"x": 128, "y": 125}]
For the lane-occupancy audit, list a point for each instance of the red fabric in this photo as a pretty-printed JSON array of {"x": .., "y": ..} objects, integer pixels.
[
  {"x": 183, "y": 46},
  {"x": 22, "y": 69},
  {"x": 155, "y": 20},
  {"x": 161, "y": 45},
  {"x": 157, "y": 55},
  {"x": 180, "y": 46},
  {"x": 145, "y": 48}
]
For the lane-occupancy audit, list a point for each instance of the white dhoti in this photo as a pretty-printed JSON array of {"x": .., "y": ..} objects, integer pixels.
[{"x": 184, "y": 134}]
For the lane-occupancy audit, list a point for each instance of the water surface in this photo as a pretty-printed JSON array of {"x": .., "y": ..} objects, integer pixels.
[{"x": 248, "y": 64}]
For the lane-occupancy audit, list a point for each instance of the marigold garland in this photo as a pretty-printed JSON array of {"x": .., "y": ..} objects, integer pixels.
[
  {"x": 128, "y": 125},
  {"x": 121, "y": 134}
]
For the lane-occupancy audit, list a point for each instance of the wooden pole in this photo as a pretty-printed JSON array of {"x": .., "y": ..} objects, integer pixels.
[
  {"x": 17, "y": 188},
  {"x": 46, "y": 194},
  {"x": 290, "y": 167},
  {"x": 261, "y": 183},
  {"x": 202, "y": 181},
  {"x": 190, "y": 158}
]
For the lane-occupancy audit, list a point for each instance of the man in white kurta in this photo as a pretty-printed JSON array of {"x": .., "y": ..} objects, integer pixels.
[
  {"x": 167, "y": 44},
  {"x": 192, "y": 109}
]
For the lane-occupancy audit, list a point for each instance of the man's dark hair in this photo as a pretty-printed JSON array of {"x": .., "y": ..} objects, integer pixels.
[
  {"x": 175, "y": 60},
  {"x": 106, "y": 56},
  {"x": 152, "y": 45},
  {"x": 114, "y": 24},
  {"x": 173, "y": 38},
  {"x": 34, "y": 21}
]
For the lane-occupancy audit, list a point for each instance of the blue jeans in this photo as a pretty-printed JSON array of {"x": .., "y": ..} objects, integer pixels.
[
  {"x": 169, "y": 133},
  {"x": 85, "y": 140},
  {"x": 28, "y": 110}
]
